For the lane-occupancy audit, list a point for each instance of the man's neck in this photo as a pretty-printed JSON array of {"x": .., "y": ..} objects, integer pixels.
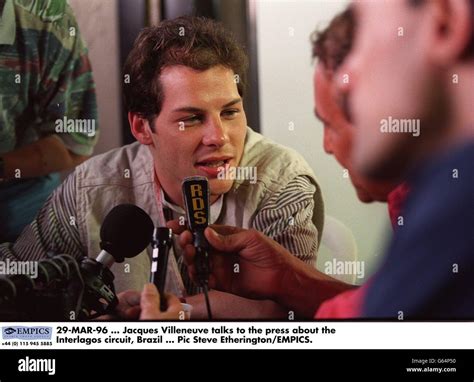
[
  {"x": 458, "y": 128},
  {"x": 178, "y": 201}
]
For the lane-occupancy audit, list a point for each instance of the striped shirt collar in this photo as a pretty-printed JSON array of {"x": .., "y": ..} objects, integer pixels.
[{"x": 216, "y": 207}]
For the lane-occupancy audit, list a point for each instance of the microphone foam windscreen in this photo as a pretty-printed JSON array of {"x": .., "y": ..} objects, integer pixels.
[{"x": 126, "y": 231}]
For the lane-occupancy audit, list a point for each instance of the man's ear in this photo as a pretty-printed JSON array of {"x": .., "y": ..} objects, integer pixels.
[
  {"x": 140, "y": 128},
  {"x": 452, "y": 30}
]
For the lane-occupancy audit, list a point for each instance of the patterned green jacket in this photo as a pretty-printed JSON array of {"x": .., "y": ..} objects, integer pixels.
[{"x": 46, "y": 84}]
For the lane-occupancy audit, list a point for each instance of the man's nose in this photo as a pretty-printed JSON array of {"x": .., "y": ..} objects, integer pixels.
[{"x": 215, "y": 133}]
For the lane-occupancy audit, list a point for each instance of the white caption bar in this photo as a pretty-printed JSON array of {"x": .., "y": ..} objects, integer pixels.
[{"x": 238, "y": 335}]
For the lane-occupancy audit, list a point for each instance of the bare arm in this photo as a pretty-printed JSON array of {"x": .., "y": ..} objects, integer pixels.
[
  {"x": 267, "y": 270},
  {"x": 304, "y": 288},
  {"x": 40, "y": 158},
  {"x": 225, "y": 305}
]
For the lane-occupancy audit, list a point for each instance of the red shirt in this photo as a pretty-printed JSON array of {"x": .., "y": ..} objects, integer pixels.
[
  {"x": 344, "y": 305},
  {"x": 396, "y": 200},
  {"x": 349, "y": 304}
]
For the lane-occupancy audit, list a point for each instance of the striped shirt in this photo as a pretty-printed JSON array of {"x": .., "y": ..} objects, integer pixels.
[{"x": 286, "y": 218}]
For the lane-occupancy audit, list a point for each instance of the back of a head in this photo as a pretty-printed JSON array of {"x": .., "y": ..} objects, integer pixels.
[
  {"x": 195, "y": 42},
  {"x": 332, "y": 45}
]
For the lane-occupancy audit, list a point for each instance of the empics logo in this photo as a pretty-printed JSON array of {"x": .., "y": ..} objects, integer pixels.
[
  {"x": 33, "y": 365},
  {"x": 27, "y": 332},
  {"x": 9, "y": 331}
]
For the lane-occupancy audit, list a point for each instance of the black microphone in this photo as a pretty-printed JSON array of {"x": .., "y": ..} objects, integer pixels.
[
  {"x": 125, "y": 232},
  {"x": 83, "y": 286},
  {"x": 196, "y": 202},
  {"x": 161, "y": 242}
]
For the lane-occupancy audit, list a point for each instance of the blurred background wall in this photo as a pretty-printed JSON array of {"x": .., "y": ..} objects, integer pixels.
[{"x": 98, "y": 23}]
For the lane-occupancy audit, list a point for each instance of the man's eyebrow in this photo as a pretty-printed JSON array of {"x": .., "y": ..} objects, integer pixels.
[
  {"x": 188, "y": 109},
  {"x": 233, "y": 102},
  {"x": 319, "y": 117},
  {"x": 196, "y": 110}
]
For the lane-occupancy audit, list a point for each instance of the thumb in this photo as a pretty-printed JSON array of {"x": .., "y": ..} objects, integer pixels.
[
  {"x": 150, "y": 302},
  {"x": 228, "y": 243}
]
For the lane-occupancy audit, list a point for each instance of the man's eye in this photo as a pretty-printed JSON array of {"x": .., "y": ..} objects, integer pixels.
[
  {"x": 192, "y": 120},
  {"x": 230, "y": 113}
]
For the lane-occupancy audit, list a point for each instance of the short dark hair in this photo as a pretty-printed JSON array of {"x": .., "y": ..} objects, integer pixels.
[
  {"x": 195, "y": 42},
  {"x": 332, "y": 45}
]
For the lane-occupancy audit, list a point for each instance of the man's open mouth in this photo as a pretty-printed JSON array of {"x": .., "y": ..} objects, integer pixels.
[{"x": 214, "y": 163}]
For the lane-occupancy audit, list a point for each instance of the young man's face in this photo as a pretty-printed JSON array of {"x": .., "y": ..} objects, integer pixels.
[
  {"x": 389, "y": 77},
  {"x": 200, "y": 129},
  {"x": 338, "y": 137}
]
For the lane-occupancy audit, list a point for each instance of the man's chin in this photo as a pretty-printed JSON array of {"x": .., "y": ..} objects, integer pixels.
[
  {"x": 219, "y": 187},
  {"x": 364, "y": 196}
]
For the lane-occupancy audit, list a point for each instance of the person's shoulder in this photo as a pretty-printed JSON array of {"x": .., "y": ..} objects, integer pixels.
[
  {"x": 45, "y": 10},
  {"x": 48, "y": 16},
  {"x": 127, "y": 163},
  {"x": 264, "y": 153},
  {"x": 447, "y": 178}
]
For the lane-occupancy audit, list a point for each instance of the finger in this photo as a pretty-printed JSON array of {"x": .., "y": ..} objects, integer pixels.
[
  {"x": 229, "y": 243},
  {"x": 150, "y": 303},
  {"x": 226, "y": 229},
  {"x": 174, "y": 304},
  {"x": 132, "y": 313},
  {"x": 129, "y": 298},
  {"x": 173, "y": 312},
  {"x": 176, "y": 227},
  {"x": 189, "y": 251},
  {"x": 188, "y": 256},
  {"x": 185, "y": 238}
]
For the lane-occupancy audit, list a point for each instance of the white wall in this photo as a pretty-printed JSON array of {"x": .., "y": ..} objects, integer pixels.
[
  {"x": 98, "y": 24},
  {"x": 286, "y": 97}
]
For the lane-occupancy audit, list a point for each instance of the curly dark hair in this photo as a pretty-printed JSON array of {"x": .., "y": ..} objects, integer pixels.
[
  {"x": 195, "y": 42},
  {"x": 332, "y": 45}
]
